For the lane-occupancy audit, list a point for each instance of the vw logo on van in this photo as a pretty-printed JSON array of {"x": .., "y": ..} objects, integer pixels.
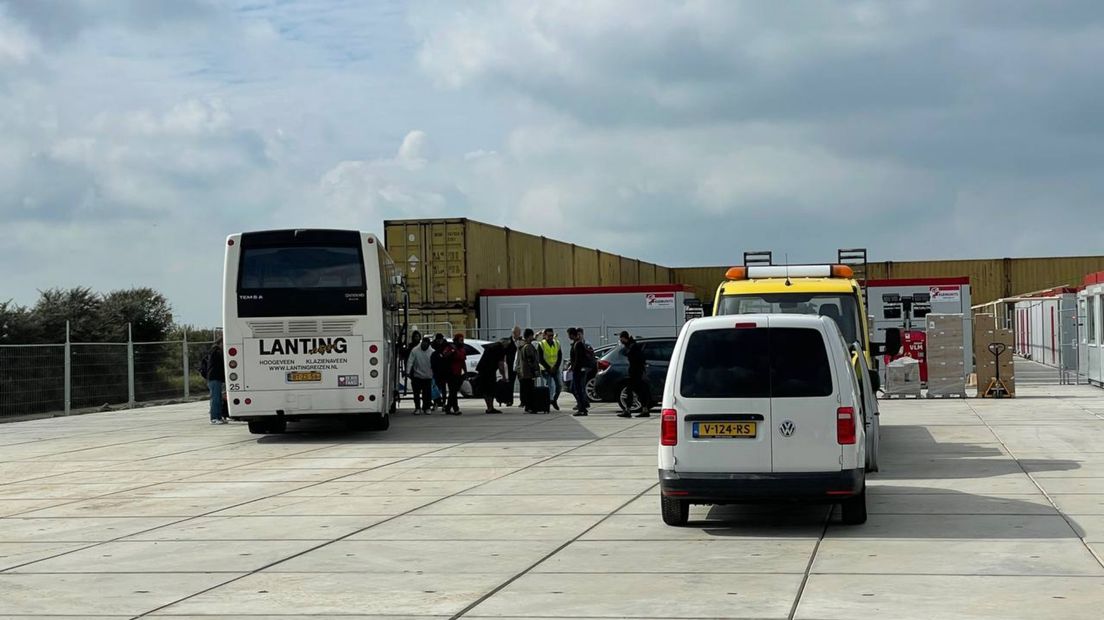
[{"x": 787, "y": 428}]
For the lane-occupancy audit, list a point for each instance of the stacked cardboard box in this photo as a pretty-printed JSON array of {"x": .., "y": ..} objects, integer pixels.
[
  {"x": 946, "y": 355},
  {"x": 985, "y": 333},
  {"x": 903, "y": 377}
]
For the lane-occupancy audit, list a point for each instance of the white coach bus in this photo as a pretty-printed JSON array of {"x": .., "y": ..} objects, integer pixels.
[{"x": 312, "y": 323}]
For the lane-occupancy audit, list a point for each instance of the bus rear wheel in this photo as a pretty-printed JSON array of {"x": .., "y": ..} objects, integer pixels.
[
  {"x": 268, "y": 427},
  {"x": 370, "y": 422}
]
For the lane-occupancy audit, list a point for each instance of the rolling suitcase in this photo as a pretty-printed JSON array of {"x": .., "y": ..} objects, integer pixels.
[
  {"x": 541, "y": 400},
  {"x": 504, "y": 392}
]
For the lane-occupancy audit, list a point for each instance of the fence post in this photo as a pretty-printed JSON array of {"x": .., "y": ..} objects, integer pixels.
[
  {"x": 185, "y": 358},
  {"x": 130, "y": 367},
  {"x": 68, "y": 372}
]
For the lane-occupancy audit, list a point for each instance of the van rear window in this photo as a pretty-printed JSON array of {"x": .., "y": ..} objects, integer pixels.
[{"x": 756, "y": 363}]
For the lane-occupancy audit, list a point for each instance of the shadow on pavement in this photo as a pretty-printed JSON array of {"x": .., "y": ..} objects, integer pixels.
[
  {"x": 968, "y": 516},
  {"x": 506, "y": 428}
]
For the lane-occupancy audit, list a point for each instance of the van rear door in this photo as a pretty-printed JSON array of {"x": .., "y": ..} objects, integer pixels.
[
  {"x": 804, "y": 399},
  {"x": 723, "y": 400}
]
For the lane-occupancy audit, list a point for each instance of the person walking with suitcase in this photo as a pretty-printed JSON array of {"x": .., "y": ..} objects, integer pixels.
[
  {"x": 582, "y": 360},
  {"x": 638, "y": 384},
  {"x": 491, "y": 365}
]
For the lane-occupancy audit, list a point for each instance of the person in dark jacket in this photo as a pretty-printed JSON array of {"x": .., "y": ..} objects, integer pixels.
[
  {"x": 440, "y": 370},
  {"x": 581, "y": 360},
  {"x": 638, "y": 383},
  {"x": 512, "y": 361},
  {"x": 216, "y": 381},
  {"x": 528, "y": 369},
  {"x": 455, "y": 357},
  {"x": 492, "y": 364}
]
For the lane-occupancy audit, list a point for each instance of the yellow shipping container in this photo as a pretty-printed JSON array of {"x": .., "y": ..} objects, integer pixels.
[
  {"x": 525, "y": 256},
  {"x": 559, "y": 265},
  {"x": 447, "y": 322},
  {"x": 447, "y": 261},
  {"x": 609, "y": 266},
  {"x": 630, "y": 271},
  {"x": 586, "y": 267}
]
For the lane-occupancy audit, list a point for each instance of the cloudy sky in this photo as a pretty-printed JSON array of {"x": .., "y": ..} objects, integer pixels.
[{"x": 136, "y": 134}]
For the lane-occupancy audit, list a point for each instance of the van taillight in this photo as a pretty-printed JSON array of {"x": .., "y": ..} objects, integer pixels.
[
  {"x": 668, "y": 428},
  {"x": 845, "y": 426}
]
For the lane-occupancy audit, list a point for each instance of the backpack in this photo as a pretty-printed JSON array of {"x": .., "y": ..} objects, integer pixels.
[{"x": 205, "y": 365}]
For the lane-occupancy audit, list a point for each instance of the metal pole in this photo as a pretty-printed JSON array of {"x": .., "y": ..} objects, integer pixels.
[
  {"x": 130, "y": 367},
  {"x": 68, "y": 371},
  {"x": 187, "y": 378}
]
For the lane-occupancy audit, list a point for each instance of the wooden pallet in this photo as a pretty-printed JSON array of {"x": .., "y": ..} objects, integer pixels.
[
  {"x": 900, "y": 396},
  {"x": 956, "y": 395}
]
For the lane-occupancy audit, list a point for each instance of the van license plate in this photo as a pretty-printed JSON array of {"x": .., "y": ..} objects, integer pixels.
[
  {"x": 703, "y": 430},
  {"x": 298, "y": 377}
]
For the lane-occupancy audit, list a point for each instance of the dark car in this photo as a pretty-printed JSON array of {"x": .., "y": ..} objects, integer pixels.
[{"x": 611, "y": 383}]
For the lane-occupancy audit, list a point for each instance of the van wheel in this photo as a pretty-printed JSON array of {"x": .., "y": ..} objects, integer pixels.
[
  {"x": 854, "y": 509},
  {"x": 257, "y": 427},
  {"x": 676, "y": 512}
]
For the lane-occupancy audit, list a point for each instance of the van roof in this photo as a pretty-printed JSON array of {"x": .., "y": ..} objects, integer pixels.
[{"x": 809, "y": 321}]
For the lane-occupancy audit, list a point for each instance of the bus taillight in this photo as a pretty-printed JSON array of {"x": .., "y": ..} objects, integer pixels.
[
  {"x": 232, "y": 351},
  {"x": 360, "y": 398},
  {"x": 373, "y": 349}
]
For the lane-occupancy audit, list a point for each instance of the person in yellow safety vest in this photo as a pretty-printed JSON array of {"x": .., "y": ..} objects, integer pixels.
[{"x": 551, "y": 360}]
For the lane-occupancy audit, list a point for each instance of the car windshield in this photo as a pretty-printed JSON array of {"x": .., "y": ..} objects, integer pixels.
[{"x": 843, "y": 308}]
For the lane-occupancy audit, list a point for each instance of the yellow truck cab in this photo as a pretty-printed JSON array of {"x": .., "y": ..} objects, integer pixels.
[
  {"x": 760, "y": 287},
  {"x": 824, "y": 290}
]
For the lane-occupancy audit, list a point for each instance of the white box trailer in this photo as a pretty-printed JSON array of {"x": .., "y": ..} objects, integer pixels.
[
  {"x": 1090, "y": 311},
  {"x": 944, "y": 296},
  {"x": 1045, "y": 328},
  {"x": 646, "y": 311}
]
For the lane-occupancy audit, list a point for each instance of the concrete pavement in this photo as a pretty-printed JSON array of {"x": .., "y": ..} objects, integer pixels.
[{"x": 983, "y": 509}]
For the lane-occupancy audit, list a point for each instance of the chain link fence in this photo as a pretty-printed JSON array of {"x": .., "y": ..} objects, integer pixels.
[{"x": 62, "y": 378}]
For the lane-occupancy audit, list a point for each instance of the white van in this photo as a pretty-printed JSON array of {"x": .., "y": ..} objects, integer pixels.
[{"x": 762, "y": 408}]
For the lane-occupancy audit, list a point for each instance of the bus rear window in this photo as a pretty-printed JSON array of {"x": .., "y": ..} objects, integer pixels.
[
  {"x": 301, "y": 267},
  {"x": 756, "y": 363}
]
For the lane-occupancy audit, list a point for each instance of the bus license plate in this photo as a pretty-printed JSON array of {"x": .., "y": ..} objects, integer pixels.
[
  {"x": 301, "y": 377},
  {"x": 705, "y": 430}
]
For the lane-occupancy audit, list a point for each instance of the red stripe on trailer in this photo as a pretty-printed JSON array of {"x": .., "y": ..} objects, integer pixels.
[
  {"x": 587, "y": 290},
  {"x": 917, "y": 282}
]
